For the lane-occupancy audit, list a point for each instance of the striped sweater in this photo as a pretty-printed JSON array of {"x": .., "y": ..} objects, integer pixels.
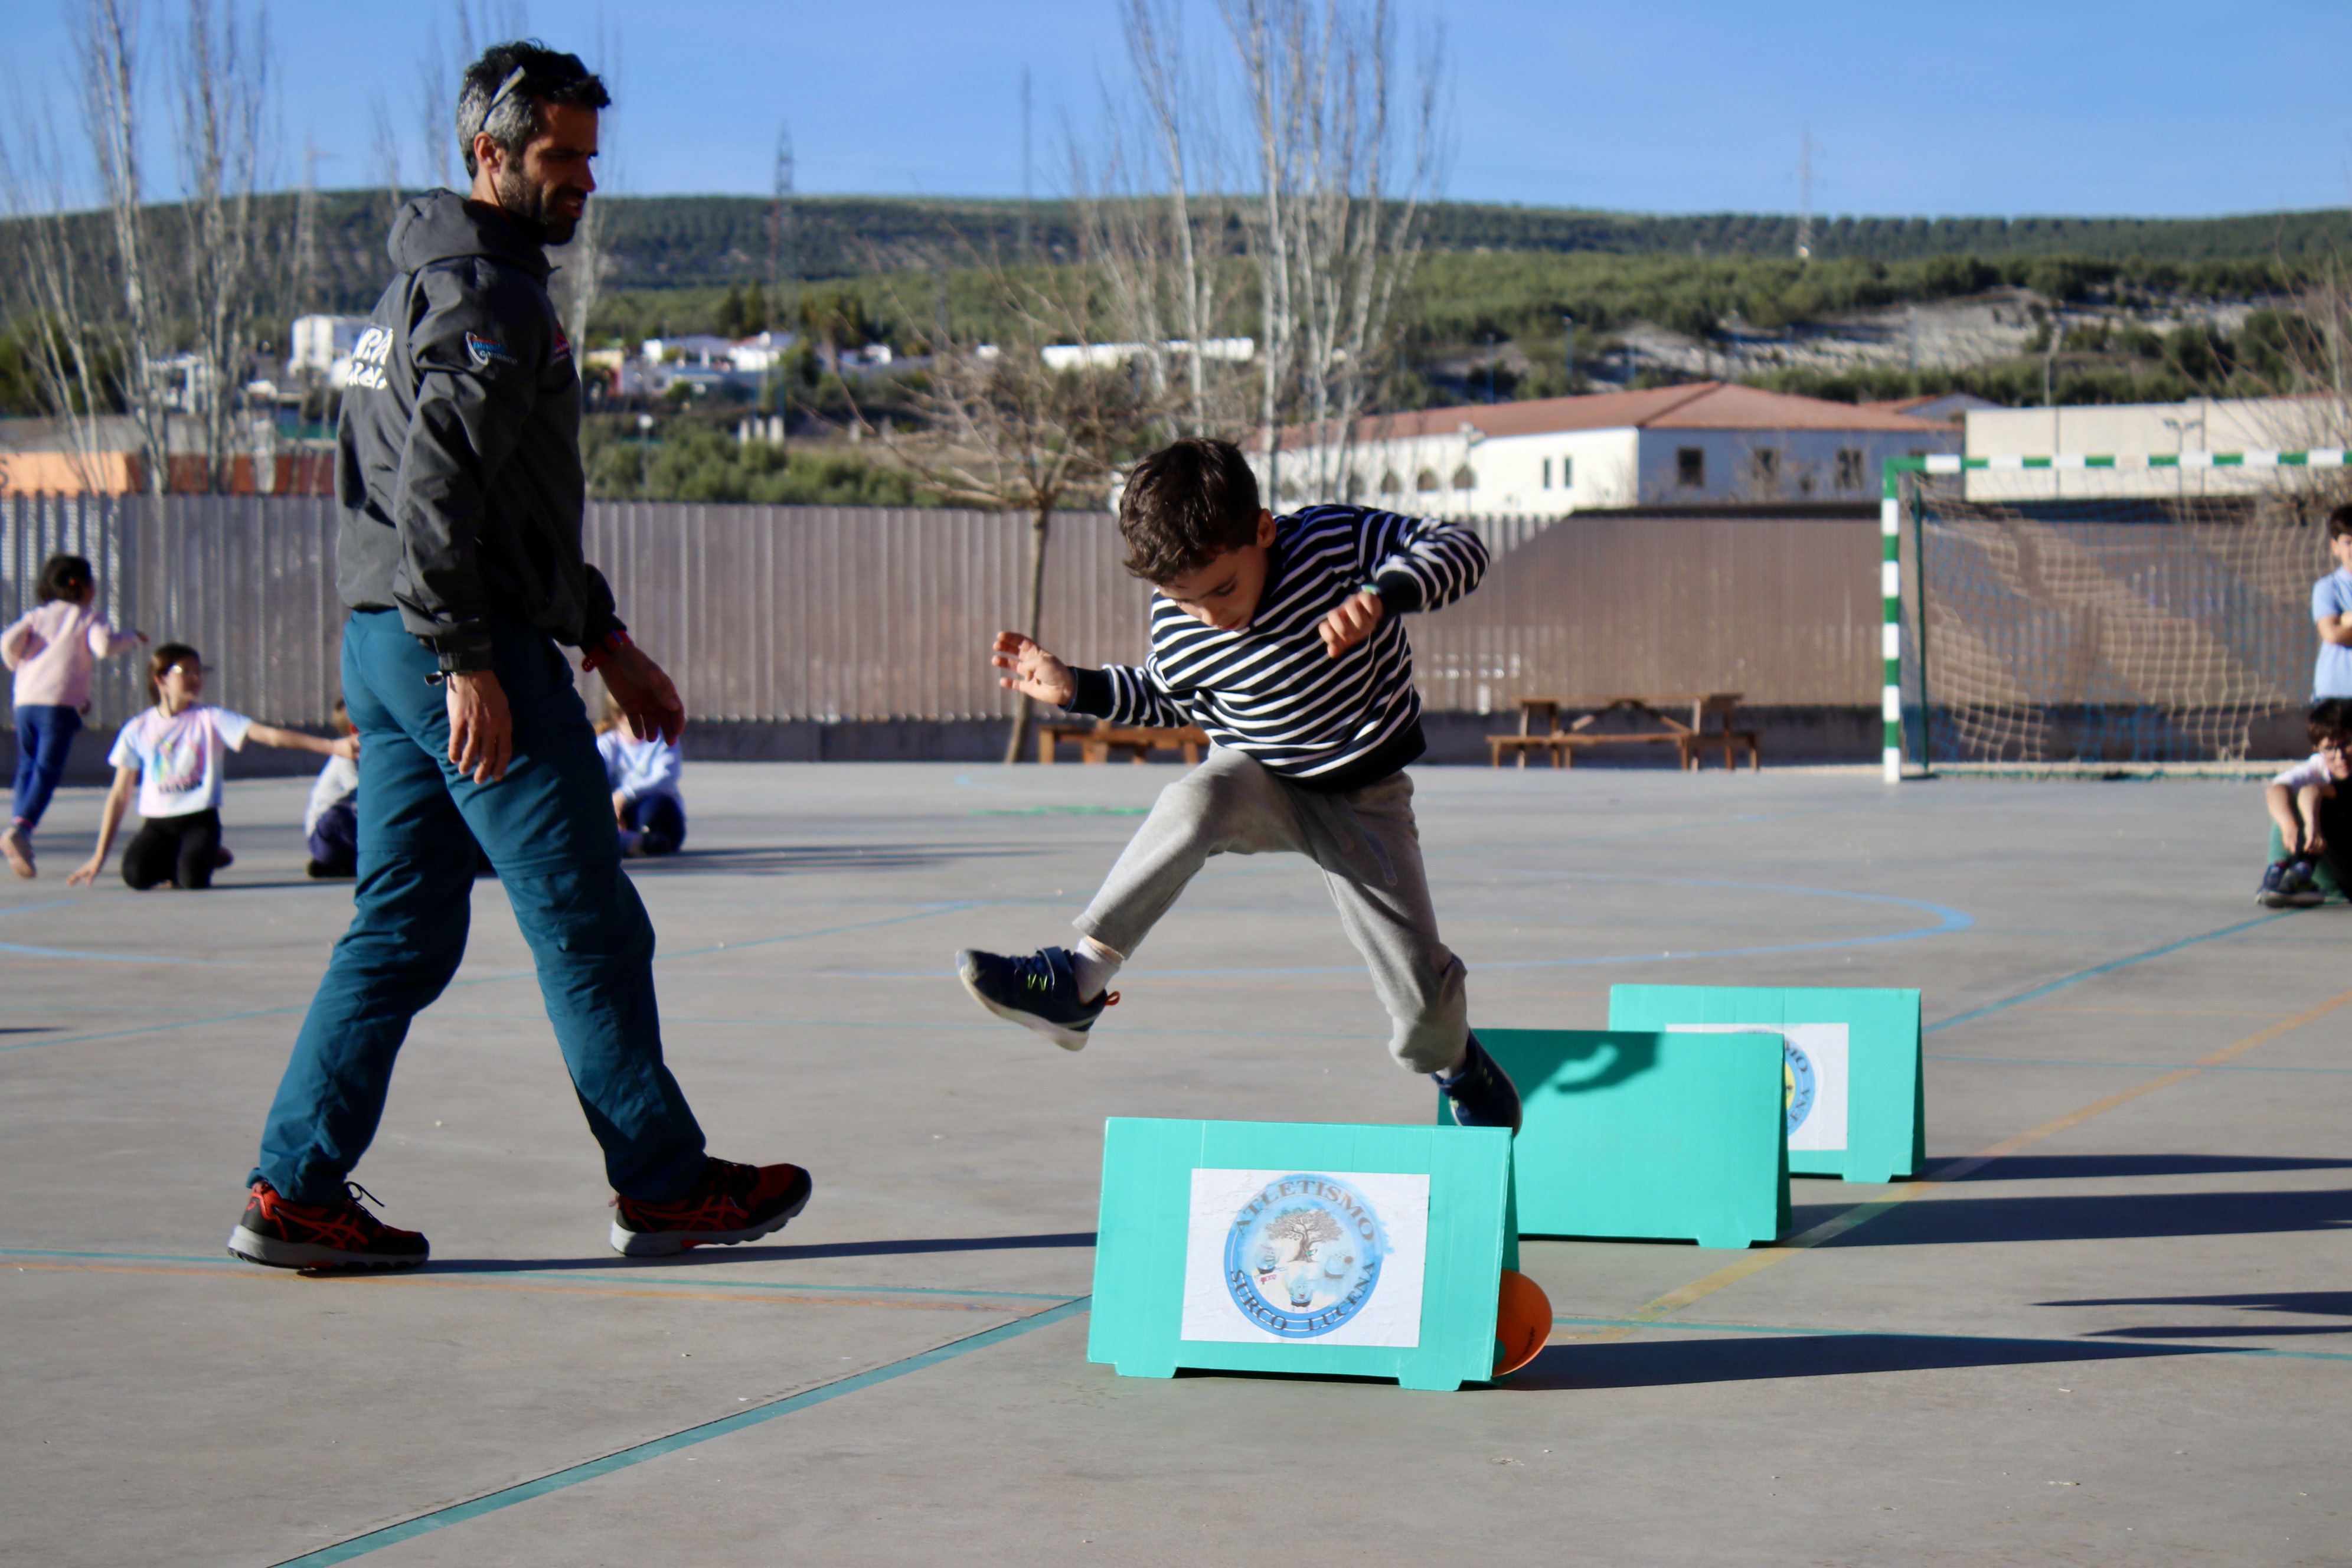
[{"x": 1269, "y": 688}]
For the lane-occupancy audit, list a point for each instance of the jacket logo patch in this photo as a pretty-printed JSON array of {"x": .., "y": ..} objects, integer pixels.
[
  {"x": 563, "y": 349},
  {"x": 486, "y": 351}
]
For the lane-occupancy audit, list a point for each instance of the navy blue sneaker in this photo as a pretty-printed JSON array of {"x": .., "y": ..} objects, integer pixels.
[
  {"x": 2302, "y": 892},
  {"x": 1482, "y": 1092},
  {"x": 1039, "y": 992},
  {"x": 2272, "y": 893}
]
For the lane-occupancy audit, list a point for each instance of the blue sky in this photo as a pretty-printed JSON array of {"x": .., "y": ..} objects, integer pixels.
[{"x": 1990, "y": 108}]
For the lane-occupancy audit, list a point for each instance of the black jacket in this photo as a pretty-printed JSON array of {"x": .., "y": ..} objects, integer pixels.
[{"x": 459, "y": 459}]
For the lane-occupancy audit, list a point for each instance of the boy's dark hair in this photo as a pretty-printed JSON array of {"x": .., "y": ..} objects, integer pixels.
[
  {"x": 2340, "y": 521},
  {"x": 2330, "y": 718},
  {"x": 500, "y": 93},
  {"x": 1186, "y": 503},
  {"x": 165, "y": 656},
  {"x": 64, "y": 577}
]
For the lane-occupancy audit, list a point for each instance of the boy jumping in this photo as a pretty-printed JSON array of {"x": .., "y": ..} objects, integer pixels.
[{"x": 1284, "y": 638}]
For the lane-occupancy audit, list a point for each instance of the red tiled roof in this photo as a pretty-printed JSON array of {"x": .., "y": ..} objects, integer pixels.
[{"x": 1698, "y": 406}]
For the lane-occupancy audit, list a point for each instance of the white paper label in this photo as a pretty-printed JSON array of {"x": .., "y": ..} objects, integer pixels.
[
  {"x": 1812, "y": 1077},
  {"x": 1331, "y": 1257}
]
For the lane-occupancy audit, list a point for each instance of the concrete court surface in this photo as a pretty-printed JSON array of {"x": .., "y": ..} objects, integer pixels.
[{"x": 2126, "y": 1340}]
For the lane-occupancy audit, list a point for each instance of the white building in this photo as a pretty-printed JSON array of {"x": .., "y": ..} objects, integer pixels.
[
  {"x": 1098, "y": 356},
  {"x": 2183, "y": 434},
  {"x": 1708, "y": 443},
  {"x": 320, "y": 342}
]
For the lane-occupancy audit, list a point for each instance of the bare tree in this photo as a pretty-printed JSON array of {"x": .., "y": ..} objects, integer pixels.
[
  {"x": 105, "y": 38},
  {"x": 1003, "y": 428},
  {"x": 1152, "y": 218},
  {"x": 580, "y": 263},
  {"x": 46, "y": 292},
  {"x": 1335, "y": 229},
  {"x": 221, "y": 81}
]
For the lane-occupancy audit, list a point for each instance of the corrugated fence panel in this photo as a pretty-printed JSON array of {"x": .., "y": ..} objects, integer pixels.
[{"x": 766, "y": 613}]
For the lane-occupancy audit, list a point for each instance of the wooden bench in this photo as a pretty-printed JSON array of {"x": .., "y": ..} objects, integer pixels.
[
  {"x": 1096, "y": 739},
  {"x": 1689, "y": 740}
]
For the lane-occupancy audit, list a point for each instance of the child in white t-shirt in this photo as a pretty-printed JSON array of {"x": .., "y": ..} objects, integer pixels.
[
  {"x": 2311, "y": 820},
  {"x": 171, "y": 754},
  {"x": 331, "y": 821}
]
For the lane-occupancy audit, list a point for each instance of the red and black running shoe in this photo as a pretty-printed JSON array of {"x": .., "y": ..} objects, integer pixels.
[
  {"x": 282, "y": 1234},
  {"x": 731, "y": 1203}
]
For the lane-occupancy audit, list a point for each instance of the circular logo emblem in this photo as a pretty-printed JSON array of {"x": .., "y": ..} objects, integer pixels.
[
  {"x": 1797, "y": 1081},
  {"x": 1302, "y": 1255}
]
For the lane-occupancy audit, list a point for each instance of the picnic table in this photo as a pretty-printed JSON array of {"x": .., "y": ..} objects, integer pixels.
[
  {"x": 1096, "y": 739},
  {"x": 1717, "y": 708}
]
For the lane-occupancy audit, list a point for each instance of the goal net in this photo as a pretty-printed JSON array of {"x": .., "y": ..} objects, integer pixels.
[{"x": 2042, "y": 627}]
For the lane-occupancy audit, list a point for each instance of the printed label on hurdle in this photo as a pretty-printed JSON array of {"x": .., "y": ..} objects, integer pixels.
[
  {"x": 1334, "y": 1258},
  {"x": 1813, "y": 1072}
]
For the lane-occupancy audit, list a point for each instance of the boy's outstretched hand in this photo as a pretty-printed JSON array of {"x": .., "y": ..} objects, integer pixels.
[
  {"x": 1036, "y": 672},
  {"x": 1350, "y": 624}
]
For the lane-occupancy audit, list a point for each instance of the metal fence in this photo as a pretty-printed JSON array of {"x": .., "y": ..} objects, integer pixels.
[{"x": 770, "y": 613}]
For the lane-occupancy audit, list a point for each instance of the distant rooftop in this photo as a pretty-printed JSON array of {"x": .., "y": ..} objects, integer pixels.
[{"x": 1696, "y": 405}]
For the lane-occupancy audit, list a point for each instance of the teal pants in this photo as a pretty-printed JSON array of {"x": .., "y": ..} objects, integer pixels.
[
  {"x": 2323, "y": 874},
  {"x": 548, "y": 828}
]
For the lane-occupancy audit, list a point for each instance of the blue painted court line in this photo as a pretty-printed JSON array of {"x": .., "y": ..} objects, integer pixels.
[
  {"x": 583, "y": 1277},
  {"x": 24, "y": 951},
  {"x": 152, "y": 1028},
  {"x": 2108, "y": 968},
  {"x": 1949, "y": 922},
  {"x": 2173, "y": 1346},
  {"x": 461, "y": 1513}
]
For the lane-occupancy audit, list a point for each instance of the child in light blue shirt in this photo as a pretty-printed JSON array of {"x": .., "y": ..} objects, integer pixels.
[
  {"x": 2331, "y": 611},
  {"x": 647, "y": 810}
]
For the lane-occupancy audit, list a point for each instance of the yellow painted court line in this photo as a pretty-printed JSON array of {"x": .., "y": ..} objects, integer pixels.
[
  {"x": 1862, "y": 1213},
  {"x": 437, "y": 1282}
]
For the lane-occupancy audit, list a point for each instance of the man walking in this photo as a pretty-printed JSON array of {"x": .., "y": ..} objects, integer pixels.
[{"x": 459, "y": 556}]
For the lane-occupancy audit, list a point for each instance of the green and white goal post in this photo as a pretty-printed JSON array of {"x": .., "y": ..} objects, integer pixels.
[{"x": 1890, "y": 527}]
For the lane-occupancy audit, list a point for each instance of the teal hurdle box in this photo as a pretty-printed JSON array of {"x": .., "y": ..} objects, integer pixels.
[
  {"x": 1857, "y": 1103},
  {"x": 1635, "y": 1133},
  {"x": 1302, "y": 1248}
]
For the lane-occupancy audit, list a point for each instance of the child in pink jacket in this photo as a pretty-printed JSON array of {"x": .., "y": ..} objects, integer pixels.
[{"x": 52, "y": 650}]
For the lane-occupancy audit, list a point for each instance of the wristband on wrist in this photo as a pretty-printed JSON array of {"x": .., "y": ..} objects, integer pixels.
[{"x": 612, "y": 642}]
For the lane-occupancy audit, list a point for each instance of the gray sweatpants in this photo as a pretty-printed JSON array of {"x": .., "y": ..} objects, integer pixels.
[{"x": 1370, "y": 855}]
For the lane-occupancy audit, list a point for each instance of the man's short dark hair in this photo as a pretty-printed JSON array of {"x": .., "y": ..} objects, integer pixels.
[
  {"x": 1184, "y": 504},
  {"x": 2329, "y": 721},
  {"x": 501, "y": 94},
  {"x": 2340, "y": 521}
]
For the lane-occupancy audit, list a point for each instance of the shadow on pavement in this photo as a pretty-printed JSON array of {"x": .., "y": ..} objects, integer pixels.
[
  {"x": 1745, "y": 1358},
  {"x": 1942, "y": 1220},
  {"x": 778, "y": 861},
  {"x": 2301, "y": 1303},
  {"x": 2088, "y": 1167},
  {"x": 697, "y": 1256}
]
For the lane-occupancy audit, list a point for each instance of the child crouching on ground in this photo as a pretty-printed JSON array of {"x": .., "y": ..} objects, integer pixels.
[
  {"x": 330, "y": 822},
  {"x": 1284, "y": 638},
  {"x": 643, "y": 775},
  {"x": 2311, "y": 818},
  {"x": 170, "y": 756}
]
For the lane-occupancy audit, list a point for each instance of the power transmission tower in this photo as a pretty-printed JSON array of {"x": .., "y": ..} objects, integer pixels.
[
  {"x": 305, "y": 231},
  {"x": 783, "y": 274},
  {"x": 1805, "y": 198}
]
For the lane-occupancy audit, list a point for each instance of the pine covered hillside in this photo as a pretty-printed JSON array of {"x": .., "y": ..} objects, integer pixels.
[{"x": 690, "y": 242}]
